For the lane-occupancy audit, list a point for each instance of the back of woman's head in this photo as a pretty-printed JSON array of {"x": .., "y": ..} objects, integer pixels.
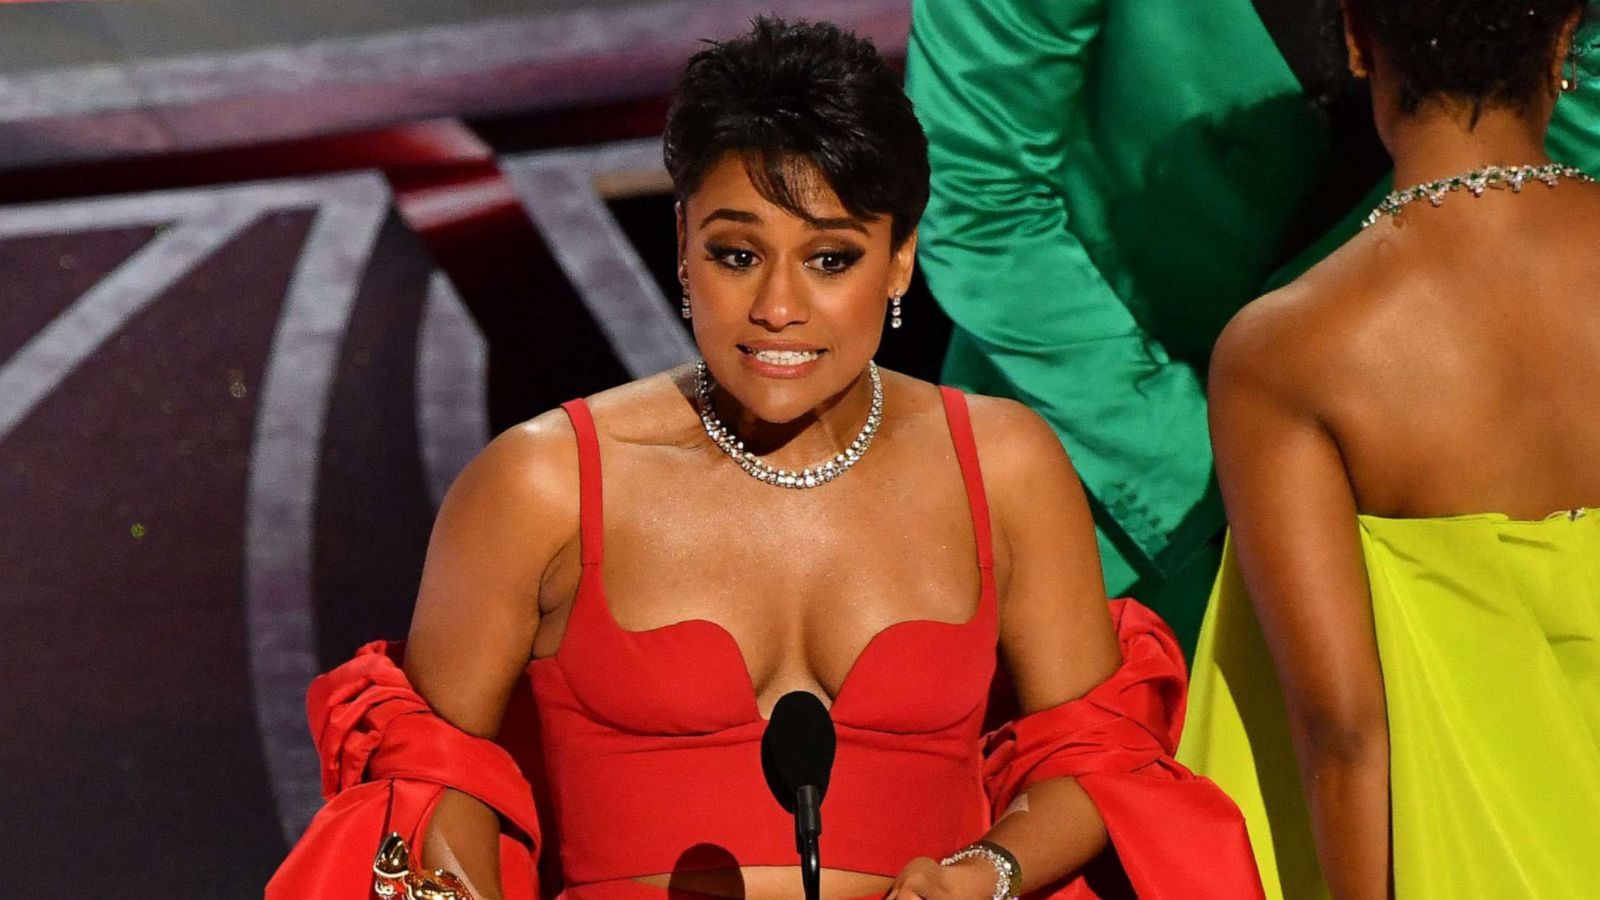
[
  {"x": 794, "y": 100},
  {"x": 1488, "y": 53}
]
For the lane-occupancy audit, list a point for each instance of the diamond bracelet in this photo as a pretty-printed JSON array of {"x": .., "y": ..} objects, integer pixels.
[{"x": 1005, "y": 865}]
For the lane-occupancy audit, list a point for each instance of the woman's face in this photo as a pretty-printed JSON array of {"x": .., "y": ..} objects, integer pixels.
[{"x": 787, "y": 312}]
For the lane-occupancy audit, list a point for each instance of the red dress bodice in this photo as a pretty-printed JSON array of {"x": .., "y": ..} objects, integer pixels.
[{"x": 651, "y": 739}]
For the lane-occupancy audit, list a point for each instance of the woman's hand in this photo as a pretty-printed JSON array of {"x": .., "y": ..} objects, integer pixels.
[{"x": 969, "y": 879}]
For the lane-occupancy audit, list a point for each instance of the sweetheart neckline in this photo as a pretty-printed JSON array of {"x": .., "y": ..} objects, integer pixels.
[
  {"x": 986, "y": 601},
  {"x": 592, "y": 541}
]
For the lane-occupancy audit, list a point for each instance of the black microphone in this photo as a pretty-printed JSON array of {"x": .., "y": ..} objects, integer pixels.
[{"x": 797, "y": 758}]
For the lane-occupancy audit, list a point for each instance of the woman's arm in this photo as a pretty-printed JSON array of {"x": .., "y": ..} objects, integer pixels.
[
  {"x": 1293, "y": 516},
  {"x": 1001, "y": 87},
  {"x": 1055, "y": 630},
  {"x": 1056, "y": 638},
  {"x": 501, "y": 525}
]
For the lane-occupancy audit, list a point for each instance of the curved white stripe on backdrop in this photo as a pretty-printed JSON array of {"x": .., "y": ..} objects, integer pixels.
[
  {"x": 452, "y": 381},
  {"x": 281, "y": 499}
]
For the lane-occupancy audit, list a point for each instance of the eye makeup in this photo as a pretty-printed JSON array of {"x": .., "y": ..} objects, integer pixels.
[
  {"x": 839, "y": 261},
  {"x": 731, "y": 257}
]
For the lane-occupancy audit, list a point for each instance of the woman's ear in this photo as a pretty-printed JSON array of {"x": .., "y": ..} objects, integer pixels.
[
  {"x": 683, "y": 237},
  {"x": 1558, "y": 73},
  {"x": 905, "y": 262},
  {"x": 1354, "y": 45}
]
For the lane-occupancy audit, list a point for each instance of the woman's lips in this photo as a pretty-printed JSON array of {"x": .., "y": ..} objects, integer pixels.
[{"x": 781, "y": 362}]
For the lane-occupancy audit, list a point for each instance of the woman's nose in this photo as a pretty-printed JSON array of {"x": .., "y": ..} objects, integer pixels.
[{"x": 780, "y": 302}]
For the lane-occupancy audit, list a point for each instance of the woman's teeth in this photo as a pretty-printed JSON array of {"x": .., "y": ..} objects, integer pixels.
[{"x": 785, "y": 357}]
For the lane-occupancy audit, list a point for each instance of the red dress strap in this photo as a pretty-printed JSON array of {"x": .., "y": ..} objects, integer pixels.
[
  {"x": 591, "y": 510},
  {"x": 955, "y": 412}
]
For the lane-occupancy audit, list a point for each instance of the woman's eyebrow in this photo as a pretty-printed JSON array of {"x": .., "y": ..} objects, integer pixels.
[
  {"x": 745, "y": 217},
  {"x": 832, "y": 224},
  {"x": 731, "y": 215}
]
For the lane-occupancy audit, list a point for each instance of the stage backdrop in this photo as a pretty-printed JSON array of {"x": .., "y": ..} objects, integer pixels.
[{"x": 268, "y": 279}]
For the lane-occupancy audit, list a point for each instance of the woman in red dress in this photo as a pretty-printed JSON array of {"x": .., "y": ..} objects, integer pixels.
[{"x": 662, "y": 562}]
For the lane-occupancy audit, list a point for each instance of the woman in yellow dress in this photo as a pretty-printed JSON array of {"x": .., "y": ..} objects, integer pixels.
[{"x": 1399, "y": 675}]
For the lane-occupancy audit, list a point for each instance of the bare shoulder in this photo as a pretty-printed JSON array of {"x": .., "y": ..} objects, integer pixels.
[
  {"x": 529, "y": 472},
  {"x": 1011, "y": 433},
  {"x": 652, "y": 410},
  {"x": 1014, "y": 443},
  {"x": 1021, "y": 454},
  {"x": 508, "y": 515},
  {"x": 915, "y": 406},
  {"x": 533, "y": 466},
  {"x": 1052, "y": 595},
  {"x": 1309, "y": 336}
]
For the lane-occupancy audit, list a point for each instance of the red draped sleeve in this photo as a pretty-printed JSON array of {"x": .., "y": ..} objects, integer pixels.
[
  {"x": 1176, "y": 835},
  {"x": 386, "y": 760}
]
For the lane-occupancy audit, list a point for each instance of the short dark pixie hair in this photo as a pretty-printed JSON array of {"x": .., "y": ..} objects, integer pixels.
[
  {"x": 1489, "y": 53},
  {"x": 792, "y": 97}
]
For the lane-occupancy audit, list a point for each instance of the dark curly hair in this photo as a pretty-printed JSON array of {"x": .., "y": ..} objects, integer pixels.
[
  {"x": 795, "y": 99},
  {"x": 1490, "y": 53}
]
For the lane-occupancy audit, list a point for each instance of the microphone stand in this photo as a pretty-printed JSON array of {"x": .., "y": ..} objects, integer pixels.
[
  {"x": 796, "y": 757},
  {"x": 807, "y": 831}
]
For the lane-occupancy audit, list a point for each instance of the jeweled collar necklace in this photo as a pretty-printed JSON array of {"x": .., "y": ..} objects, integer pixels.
[
  {"x": 1475, "y": 182},
  {"x": 755, "y": 467}
]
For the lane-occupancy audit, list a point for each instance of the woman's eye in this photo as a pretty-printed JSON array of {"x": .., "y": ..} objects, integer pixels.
[
  {"x": 733, "y": 257},
  {"x": 834, "y": 263}
]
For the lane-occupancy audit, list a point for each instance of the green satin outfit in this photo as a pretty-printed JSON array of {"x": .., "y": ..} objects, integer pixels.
[
  {"x": 1488, "y": 631},
  {"x": 1112, "y": 180}
]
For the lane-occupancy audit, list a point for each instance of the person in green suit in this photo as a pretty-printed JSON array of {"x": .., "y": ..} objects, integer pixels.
[{"x": 1112, "y": 180}]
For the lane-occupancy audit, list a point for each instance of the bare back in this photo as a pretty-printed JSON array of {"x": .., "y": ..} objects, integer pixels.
[
  {"x": 1447, "y": 363},
  {"x": 1455, "y": 357}
]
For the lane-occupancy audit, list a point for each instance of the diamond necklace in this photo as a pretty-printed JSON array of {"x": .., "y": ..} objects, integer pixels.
[
  {"x": 1476, "y": 181},
  {"x": 755, "y": 467}
]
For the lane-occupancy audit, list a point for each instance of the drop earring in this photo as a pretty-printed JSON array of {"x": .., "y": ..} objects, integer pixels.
[
  {"x": 683, "y": 281},
  {"x": 895, "y": 318}
]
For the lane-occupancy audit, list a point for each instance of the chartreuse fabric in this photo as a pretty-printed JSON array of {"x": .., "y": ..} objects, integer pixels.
[
  {"x": 1112, "y": 180},
  {"x": 1488, "y": 631}
]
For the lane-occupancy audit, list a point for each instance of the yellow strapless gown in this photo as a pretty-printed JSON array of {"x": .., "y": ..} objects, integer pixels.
[{"x": 1489, "y": 635}]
